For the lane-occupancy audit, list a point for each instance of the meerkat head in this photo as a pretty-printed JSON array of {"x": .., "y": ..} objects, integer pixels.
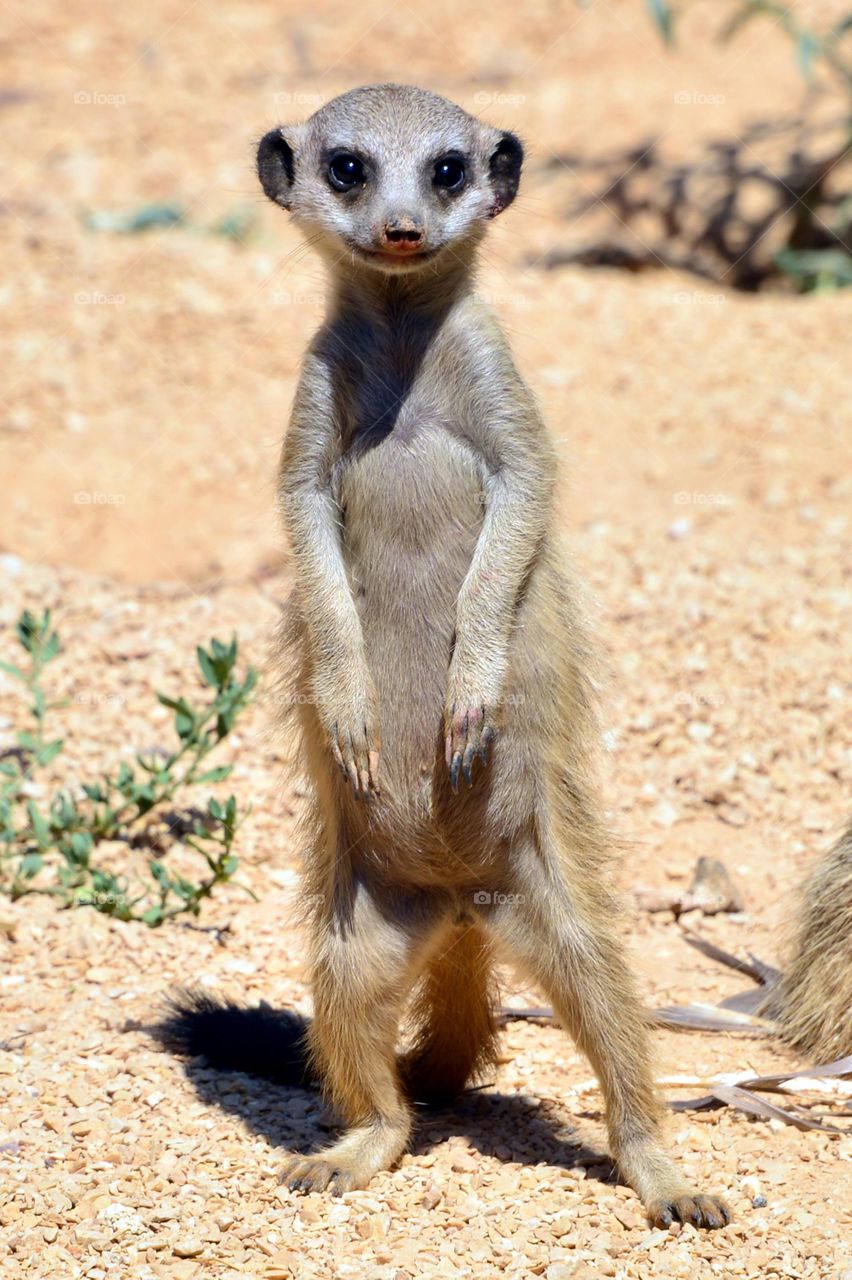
[{"x": 391, "y": 176}]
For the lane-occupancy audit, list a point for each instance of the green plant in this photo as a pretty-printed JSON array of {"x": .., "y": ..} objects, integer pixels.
[
  {"x": 817, "y": 257},
  {"x": 55, "y": 850}
]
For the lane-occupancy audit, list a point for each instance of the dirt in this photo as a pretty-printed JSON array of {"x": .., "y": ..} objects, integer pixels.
[{"x": 705, "y": 446}]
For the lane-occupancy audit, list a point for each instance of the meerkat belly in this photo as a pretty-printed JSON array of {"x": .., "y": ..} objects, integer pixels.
[{"x": 412, "y": 510}]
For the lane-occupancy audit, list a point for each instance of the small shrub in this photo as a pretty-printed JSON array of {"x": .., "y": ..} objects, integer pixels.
[
  {"x": 808, "y": 263},
  {"x": 55, "y": 849}
]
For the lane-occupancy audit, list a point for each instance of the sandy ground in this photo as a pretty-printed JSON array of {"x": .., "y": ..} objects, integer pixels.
[{"x": 705, "y": 445}]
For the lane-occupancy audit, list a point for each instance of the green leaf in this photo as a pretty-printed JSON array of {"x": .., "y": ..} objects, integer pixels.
[
  {"x": 51, "y": 647},
  {"x": 153, "y": 916},
  {"x": 12, "y": 670},
  {"x": 82, "y": 845},
  {"x": 49, "y": 752},
  {"x": 807, "y": 49},
  {"x": 40, "y": 827},
  {"x": 160, "y": 874},
  {"x": 30, "y": 865},
  {"x": 216, "y": 775},
  {"x": 208, "y": 669},
  {"x": 27, "y": 629},
  {"x": 175, "y": 704},
  {"x": 662, "y": 14},
  {"x": 64, "y": 814},
  {"x": 185, "y": 721},
  {"x": 144, "y": 797},
  {"x": 124, "y": 779},
  {"x": 817, "y": 269},
  {"x": 184, "y": 888},
  {"x": 36, "y": 637},
  {"x": 143, "y": 218}
]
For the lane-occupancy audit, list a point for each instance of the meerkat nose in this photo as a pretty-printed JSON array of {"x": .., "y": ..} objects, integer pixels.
[{"x": 402, "y": 234}]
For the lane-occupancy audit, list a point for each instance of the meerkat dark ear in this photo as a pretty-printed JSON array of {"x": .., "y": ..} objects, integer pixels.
[
  {"x": 505, "y": 171},
  {"x": 276, "y": 165}
]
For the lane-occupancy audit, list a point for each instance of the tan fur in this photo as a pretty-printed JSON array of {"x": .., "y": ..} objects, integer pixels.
[
  {"x": 436, "y": 631},
  {"x": 453, "y": 1011},
  {"x": 813, "y": 1001}
]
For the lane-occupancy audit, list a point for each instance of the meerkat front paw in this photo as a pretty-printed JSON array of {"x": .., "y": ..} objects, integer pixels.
[
  {"x": 355, "y": 746},
  {"x": 351, "y": 719},
  {"x": 469, "y": 731}
]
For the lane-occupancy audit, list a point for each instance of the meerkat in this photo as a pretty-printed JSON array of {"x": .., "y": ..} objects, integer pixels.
[
  {"x": 812, "y": 999},
  {"x": 442, "y": 681}
]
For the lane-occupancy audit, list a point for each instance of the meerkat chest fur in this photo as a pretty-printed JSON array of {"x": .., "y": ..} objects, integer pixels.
[
  {"x": 411, "y": 478},
  {"x": 410, "y": 485}
]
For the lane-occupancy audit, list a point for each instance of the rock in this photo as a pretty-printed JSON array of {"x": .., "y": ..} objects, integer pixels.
[{"x": 189, "y": 1248}]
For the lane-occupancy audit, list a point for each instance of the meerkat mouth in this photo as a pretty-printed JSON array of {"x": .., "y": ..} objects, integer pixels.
[{"x": 410, "y": 258}]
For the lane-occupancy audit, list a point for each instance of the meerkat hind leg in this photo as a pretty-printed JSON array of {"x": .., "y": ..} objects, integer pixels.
[
  {"x": 362, "y": 972},
  {"x": 563, "y": 939}
]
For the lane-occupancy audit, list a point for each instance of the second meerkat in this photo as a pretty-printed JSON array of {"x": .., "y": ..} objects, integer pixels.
[{"x": 445, "y": 706}]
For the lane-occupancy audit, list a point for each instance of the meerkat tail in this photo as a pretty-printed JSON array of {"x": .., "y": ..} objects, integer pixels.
[
  {"x": 261, "y": 1041},
  {"x": 812, "y": 1002}
]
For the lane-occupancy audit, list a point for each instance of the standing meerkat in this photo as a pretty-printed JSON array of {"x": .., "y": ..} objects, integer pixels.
[{"x": 442, "y": 688}]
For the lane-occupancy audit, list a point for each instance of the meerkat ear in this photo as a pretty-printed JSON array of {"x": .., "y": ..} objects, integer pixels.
[
  {"x": 276, "y": 164},
  {"x": 505, "y": 171}
]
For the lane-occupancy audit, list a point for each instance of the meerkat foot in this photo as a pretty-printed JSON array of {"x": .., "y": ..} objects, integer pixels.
[
  {"x": 667, "y": 1198},
  {"x": 321, "y": 1172},
  {"x": 707, "y": 1212},
  {"x": 348, "y": 1165}
]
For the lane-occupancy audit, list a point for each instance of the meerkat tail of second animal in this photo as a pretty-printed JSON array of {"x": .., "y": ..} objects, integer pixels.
[
  {"x": 812, "y": 1001},
  {"x": 442, "y": 687}
]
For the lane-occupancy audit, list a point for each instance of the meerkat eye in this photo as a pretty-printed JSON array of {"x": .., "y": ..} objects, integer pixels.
[
  {"x": 449, "y": 174},
  {"x": 345, "y": 172}
]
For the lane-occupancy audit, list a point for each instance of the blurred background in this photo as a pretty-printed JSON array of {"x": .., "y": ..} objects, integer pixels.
[{"x": 155, "y": 307}]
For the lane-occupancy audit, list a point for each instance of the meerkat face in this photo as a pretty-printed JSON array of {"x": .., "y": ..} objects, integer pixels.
[{"x": 391, "y": 176}]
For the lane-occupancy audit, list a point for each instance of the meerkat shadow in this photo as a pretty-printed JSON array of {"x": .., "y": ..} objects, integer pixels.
[
  {"x": 506, "y": 1127},
  {"x": 514, "y": 1129}
]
